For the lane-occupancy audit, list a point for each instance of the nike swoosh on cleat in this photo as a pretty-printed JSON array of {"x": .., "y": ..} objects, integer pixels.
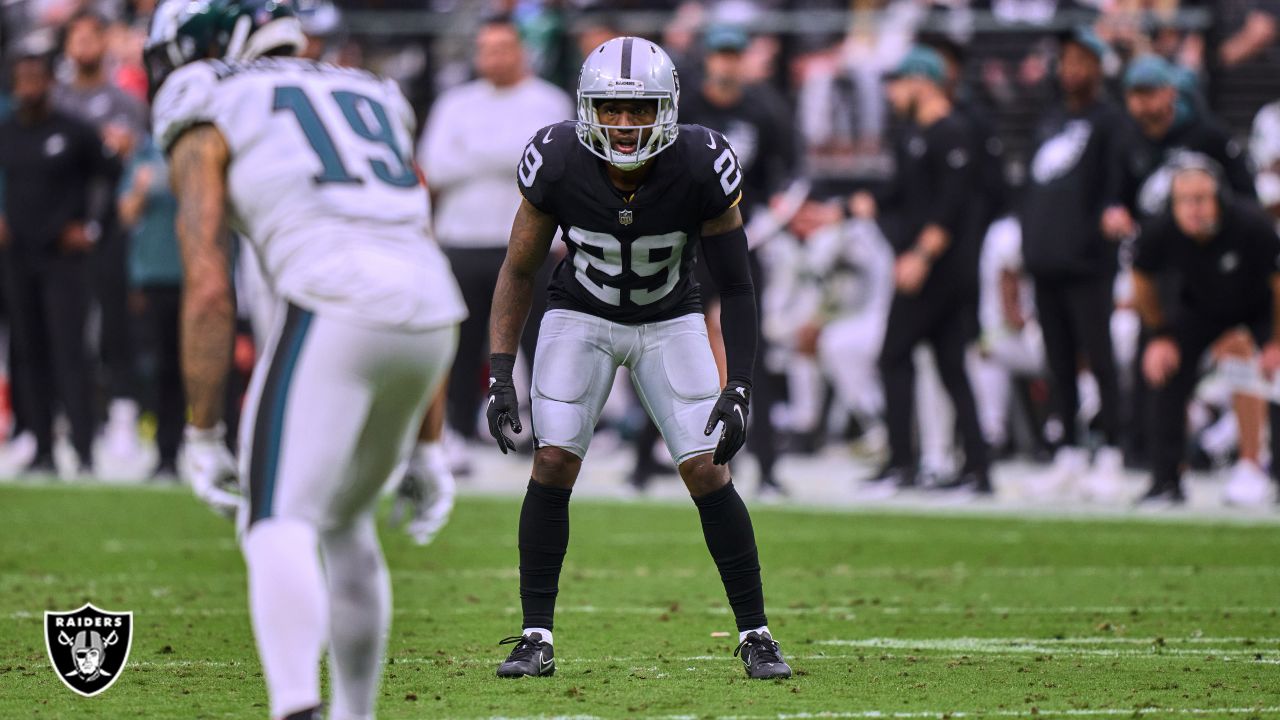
[
  {"x": 544, "y": 664},
  {"x": 547, "y": 138}
]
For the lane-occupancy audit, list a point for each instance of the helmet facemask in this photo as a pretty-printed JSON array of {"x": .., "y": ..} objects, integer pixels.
[{"x": 595, "y": 135}]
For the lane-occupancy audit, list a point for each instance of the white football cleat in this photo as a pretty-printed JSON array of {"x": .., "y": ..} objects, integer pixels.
[
  {"x": 120, "y": 433},
  {"x": 1104, "y": 482},
  {"x": 1247, "y": 485},
  {"x": 1069, "y": 465}
]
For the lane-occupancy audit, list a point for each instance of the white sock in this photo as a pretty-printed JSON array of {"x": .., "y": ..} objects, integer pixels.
[
  {"x": 546, "y": 634},
  {"x": 762, "y": 630},
  {"x": 290, "y": 610},
  {"x": 359, "y": 617}
]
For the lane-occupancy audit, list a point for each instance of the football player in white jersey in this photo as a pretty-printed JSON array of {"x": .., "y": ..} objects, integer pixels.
[{"x": 310, "y": 163}]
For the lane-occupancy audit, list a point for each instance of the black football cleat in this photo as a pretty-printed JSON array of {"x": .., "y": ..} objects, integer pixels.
[
  {"x": 1162, "y": 497},
  {"x": 974, "y": 483},
  {"x": 315, "y": 713},
  {"x": 531, "y": 657},
  {"x": 762, "y": 657}
]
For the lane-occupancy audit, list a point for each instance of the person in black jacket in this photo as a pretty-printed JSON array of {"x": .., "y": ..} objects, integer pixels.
[
  {"x": 1072, "y": 263},
  {"x": 1226, "y": 256},
  {"x": 56, "y": 194},
  {"x": 934, "y": 226},
  {"x": 1159, "y": 137}
]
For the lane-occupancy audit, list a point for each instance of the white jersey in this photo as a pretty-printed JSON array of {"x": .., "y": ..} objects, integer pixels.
[
  {"x": 1264, "y": 146},
  {"x": 321, "y": 184}
]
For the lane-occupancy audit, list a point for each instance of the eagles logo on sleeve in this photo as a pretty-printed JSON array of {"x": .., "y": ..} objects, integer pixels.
[{"x": 88, "y": 647}]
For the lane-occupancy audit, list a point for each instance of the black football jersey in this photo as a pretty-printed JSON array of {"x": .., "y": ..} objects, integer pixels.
[{"x": 630, "y": 257}]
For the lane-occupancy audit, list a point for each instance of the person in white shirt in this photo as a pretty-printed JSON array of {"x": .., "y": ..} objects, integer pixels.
[{"x": 476, "y": 133}]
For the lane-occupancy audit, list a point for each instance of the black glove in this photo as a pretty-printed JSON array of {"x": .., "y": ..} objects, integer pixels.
[
  {"x": 731, "y": 409},
  {"x": 503, "y": 405}
]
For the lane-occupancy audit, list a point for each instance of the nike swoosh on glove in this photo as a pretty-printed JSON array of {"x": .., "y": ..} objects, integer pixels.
[
  {"x": 503, "y": 407},
  {"x": 209, "y": 467},
  {"x": 731, "y": 409}
]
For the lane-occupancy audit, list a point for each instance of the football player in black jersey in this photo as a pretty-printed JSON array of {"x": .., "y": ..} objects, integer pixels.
[{"x": 634, "y": 195}]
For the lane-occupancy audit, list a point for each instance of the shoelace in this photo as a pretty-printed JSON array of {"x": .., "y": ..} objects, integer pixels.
[
  {"x": 765, "y": 650},
  {"x": 525, "y": 648}
]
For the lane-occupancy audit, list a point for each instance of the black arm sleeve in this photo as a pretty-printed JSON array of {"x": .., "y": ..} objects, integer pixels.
[{"x": 728, "y": 265}]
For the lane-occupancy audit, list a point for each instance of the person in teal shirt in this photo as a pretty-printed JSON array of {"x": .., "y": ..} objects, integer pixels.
[{"x": 147, "y": 211}]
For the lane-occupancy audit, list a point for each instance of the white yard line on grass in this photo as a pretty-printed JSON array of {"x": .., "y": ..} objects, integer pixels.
[
  {"x": 1217, "y": 654},
  {"x": 1134, "y": 712}
]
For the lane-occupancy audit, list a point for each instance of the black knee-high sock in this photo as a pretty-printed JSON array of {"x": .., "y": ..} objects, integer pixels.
[
  {"x": 727, "y": 527},
  {"x": 544, "y": 537}
]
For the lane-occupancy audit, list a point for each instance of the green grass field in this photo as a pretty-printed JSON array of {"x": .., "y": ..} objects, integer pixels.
[{"x": 899, "y": 614}]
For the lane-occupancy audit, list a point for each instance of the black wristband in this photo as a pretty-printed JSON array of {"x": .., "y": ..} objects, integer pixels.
[
  {"x": 501, "y": 366},
  {"x": 732, "y": 386}
]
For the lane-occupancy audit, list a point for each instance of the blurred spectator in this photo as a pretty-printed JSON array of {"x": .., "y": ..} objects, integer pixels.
[
  {"x": 989, "y": 158},
  {"x": 1010, "y": 346},
  {"x": 56, "y": 196},
  {"x": 1264, "y": 147},
  {"x": 148, "y": 211},
  {"x": 1072, "y": 263},
  {"x": 1245, "y": 30},
  {"x": 1225, "y": 253},
  {"x": 1151, "y": 96},
  {"x": 826, "y": 300},
  {"x": 757, "y": 123},
  {"x": 753, "y": 117},
  {"x": 928, "y": 217},
  {"x": 122, "y": 121},
  {"x": 473, "y": 140},
  {"x": 1158, "y": 137}
]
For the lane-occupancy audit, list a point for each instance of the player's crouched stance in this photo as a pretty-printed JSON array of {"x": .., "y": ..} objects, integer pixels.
[
  {"x": 635, "y": 194},
  {"x": 310, "y": 163}
]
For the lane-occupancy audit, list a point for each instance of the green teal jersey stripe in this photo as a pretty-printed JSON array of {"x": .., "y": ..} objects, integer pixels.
[{"x": 268, "y": 430}]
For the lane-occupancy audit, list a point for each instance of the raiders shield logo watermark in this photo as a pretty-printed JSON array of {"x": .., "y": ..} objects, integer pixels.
[
  {"x": 88, "y": 647},
  {"x": 625, "y": 217}
]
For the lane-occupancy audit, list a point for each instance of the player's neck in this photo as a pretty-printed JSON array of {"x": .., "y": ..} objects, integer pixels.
[
  {"x": 628, "y": 180},
  {"x": 34, "y": 113},
  {"x": 1083, "y": 99},
  {"x": 89, "y": 78}
]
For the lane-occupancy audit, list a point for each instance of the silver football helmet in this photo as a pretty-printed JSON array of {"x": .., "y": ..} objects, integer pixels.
[{"x": 628, "y": 68}]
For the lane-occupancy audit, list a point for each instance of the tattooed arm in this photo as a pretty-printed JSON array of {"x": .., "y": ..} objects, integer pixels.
[
  {"x": 198, "y": 164},
  {"x": 531, "y": 235}
]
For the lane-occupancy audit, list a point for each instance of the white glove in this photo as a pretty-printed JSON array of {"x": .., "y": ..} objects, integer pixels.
[
  {"x": 424, "y": 499},
  {"x": 208, "y": 466}
]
